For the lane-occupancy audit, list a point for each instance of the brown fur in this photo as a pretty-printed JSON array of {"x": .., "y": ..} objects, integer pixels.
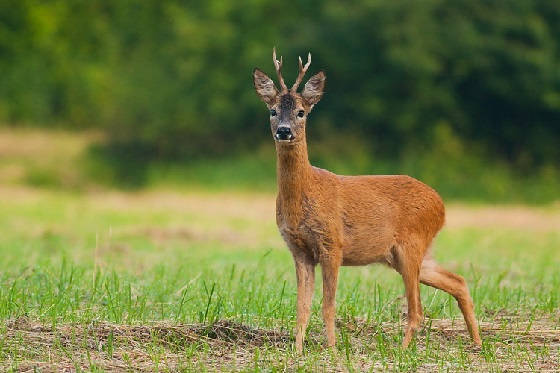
[{"x": 335, "y": 220}]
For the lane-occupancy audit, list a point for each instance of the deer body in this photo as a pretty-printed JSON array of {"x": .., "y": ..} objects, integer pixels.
[
  {"x": 363, "y": 219},
  {"x": 335, "y": 220}
]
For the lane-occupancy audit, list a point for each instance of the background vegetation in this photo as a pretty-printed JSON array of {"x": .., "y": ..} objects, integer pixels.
[
  {"x": 137, "y": 180},
  {"x": 451, "y": 92}
]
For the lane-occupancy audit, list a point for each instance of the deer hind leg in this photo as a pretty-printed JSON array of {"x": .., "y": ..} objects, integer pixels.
[
  {"x": 409, "y": 268},
  {"x": 305, "y": 274},
  {"x": 419, "y": 310},
  {"x": 433, "y": 275},
  {"x": 410, "y": 277},
  {"x": 329, "y": 269}
]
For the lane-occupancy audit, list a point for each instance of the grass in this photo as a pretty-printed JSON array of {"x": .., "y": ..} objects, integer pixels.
[{"x": 166, "y": 280}]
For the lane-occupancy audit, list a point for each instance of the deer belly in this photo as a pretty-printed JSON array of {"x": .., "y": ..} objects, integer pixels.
[
  {"x": 360, "y": 257},
  {"x": 363, "y": 247}
]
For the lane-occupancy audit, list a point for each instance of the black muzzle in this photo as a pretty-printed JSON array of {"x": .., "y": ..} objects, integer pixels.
[{"x": 284, "y": 134}]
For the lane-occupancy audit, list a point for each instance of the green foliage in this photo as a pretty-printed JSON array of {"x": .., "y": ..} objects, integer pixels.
[{"x": 172, "y": 78}]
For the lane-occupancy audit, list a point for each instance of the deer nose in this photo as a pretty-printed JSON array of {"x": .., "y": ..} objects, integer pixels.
[{"x": 284, "y": 133}]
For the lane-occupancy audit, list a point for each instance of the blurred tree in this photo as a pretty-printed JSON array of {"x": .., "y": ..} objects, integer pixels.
[{"x": 173, "y": 78}]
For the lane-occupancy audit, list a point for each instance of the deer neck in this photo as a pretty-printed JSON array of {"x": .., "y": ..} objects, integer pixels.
[{"x": 293, "y": 173}]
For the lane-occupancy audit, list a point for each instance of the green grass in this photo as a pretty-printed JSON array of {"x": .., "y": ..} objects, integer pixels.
[{"x": 82, "y": 274}]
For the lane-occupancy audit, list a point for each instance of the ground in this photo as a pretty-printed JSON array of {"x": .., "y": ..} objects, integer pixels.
[{"x": 192, "y": 280}]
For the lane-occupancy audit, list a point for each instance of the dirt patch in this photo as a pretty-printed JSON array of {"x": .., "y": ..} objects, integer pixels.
[
  {"x": 35, "y": 143},
  {"x": 260, "y": 207},
  {"x": 162, "y": 235},
  {"x": 513, "y": 217},
  {"x": 115, "y": 347},
  {"x": 229, "y": 345},
  {"x": 253, "y": 206}
]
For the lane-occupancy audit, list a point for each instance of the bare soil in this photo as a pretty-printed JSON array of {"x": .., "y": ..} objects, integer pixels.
[{"x": 228, "y": 345}]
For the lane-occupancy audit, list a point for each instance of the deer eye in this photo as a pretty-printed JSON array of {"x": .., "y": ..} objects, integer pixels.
[
  {"x": 301, "y": 113},
  {"x": 272, "y": 113}
]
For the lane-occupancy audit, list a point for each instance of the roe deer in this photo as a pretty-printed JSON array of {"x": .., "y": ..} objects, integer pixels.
[{"x": 335, "y": 220}]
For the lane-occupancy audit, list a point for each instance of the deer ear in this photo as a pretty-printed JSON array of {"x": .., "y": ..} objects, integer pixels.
[
  {"x": 313, "y": 90},
  {"x": 264, "y": 86}
]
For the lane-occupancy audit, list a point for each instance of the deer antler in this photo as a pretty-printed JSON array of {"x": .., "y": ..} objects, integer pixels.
[
  {"x": 278, "y": 66},
  {"x": 302, "y": 71}
]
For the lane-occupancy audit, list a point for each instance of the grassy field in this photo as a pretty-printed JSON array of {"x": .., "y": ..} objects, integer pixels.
[{"x": 167, "y": 280}]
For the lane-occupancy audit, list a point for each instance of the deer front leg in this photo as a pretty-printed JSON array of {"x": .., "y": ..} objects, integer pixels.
[
  {"x": 305, "y": 273},
  {"x": 330, "y": 280}
]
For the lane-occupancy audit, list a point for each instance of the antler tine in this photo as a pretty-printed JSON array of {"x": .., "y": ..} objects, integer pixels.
[
  {"x": 302, "y": 71},
  {"x": 278, "y": 66}
]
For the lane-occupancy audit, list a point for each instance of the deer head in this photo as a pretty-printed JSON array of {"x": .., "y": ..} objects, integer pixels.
[{"x": 289, "y": 109}]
